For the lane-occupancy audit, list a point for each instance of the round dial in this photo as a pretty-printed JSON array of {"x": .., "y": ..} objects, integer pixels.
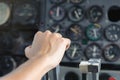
[
  {"x": 77, "y": 1},
  {"x": 106, "y": 76},
  {"x": 76, "y": 13},
  {"x": 4, "y": 13},
  {"x": 74, "y": 52},
  {"x": 57, "y": 13},
  {"x": 93, "y": 32},
  {"x": 112, "y": 52},
  {"x": 93, "y": 51},
  {"x": 95, "y": 14},
  {"x": 7, "y": 64},
  {"x": 25, "y": 14},
  {"x": 57, "y": 1},
  {"x": 74, "y": 32},
  {"x": 112, "y": 32},
  {"x": 56, "y": 28}
]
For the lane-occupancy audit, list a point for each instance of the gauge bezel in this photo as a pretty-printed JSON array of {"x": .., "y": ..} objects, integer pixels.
[
  {"x": 107, "y": 29},
  {"x": 19, "y": 6},
  {"x": 92, "y": 26},
  {"x": 49, "y": 13},
  {"x": 70, "y": 17},
  {"x": 92, "y": 45},
  {"x": 115, "y": 59},
  {"x": 11, "y": 62},
  {"x": 68, "y": 34},
  {"x": 75, "y": 58},
  {"x": 8, "y": 12},
  {"x": 88, "y": 13}
]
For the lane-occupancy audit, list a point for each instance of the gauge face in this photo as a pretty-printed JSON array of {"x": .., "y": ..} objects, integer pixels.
[
  {"x": 76, "y": 13},
  {"x": 74, "y": 32},
  {"x": 56, "y": 28},
  {"x": 77, "y": 1},
  {"x": 4, "y": 13},
  {"x": 57, "y": 1},
  {"x": 93, "y": 32},
  {"x": 112, "y": 52},
  {"x": 95, "y": 14},
  {"x": 7, "y": 64},
  {"x": 93, "y": 51},
  {"x": 74, "y": 52},
  {"x": 25, "y": 14},
  {"x": 112, "y": 32},
  {"x": 57, "y": 13}
]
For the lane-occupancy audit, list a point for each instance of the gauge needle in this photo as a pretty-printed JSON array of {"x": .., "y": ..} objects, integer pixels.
[
  {"x": 94, "y": 51},
  {"x": 75, "y": 30},
  {"x": 58, "y": 12},
  {"x": 95, "y": 33},
  {"x": 57, "y": 29},
  {"x": 76, "y": 14},
  {"x": 74, "y": 51},
  {"x": 116, "y": 37}
]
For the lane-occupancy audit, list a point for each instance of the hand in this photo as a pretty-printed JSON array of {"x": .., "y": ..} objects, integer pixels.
[{"x": 49, "y": 45}]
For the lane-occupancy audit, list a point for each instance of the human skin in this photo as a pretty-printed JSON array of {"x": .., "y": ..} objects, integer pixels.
[{"x": 45, "y": 53}]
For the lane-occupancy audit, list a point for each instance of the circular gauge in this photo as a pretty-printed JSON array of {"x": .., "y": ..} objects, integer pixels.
[
  {"x": 25, "y": 14},
  {"x": 112, "y": 32},
  {"x": 74, "y": 32},
  {"x": 93, "y": 51},
  {"x": 93, "y": 32},
  {"x": 7, "y": 64},
  {"x": 57, "y": 13},
  {"x": 95, "y": 14},
  {"x": 76, "y": 1},
  {"x": 76, "y": 13},
  {"x": 4, "y": 13},
  {"x": 57, "y": 1},
  {"x": 56, "y": 28},
  {"x": 112, "y": 52},
  {"x": 74, "y": 52}
]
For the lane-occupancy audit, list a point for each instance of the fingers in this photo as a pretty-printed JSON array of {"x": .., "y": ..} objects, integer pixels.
[
  {"x": 55, "y": 35},
  {"x": 48, "y": 33}
]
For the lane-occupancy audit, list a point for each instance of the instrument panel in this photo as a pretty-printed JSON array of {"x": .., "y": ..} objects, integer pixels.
[
  {"x": 89, "y": 24},
  {"x": 93, "y": 27}
]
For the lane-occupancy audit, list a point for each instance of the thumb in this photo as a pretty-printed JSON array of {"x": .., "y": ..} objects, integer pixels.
[
  {"x": 27, "y": 52},
  {"x": 68, "y": 42}
]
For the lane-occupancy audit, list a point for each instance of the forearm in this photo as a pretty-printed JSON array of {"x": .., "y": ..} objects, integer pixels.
[{"x": 33, "y": 69}]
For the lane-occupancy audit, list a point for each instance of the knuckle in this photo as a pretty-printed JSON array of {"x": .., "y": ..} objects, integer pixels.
[
  {"x": 48, "y": 32},
  {"x": 38, "y": 33},
  {"x": 62, "y": 40},
  {"x": 57, "y": 34}
]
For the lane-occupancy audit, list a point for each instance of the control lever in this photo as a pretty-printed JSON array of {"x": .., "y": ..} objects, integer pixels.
[
  {"x": 91, "y": 68},
  {"x": 57, "y": 71}
]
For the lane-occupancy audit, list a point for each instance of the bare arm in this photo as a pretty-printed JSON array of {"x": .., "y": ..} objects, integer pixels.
[{"x": 44, "y": 54}]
